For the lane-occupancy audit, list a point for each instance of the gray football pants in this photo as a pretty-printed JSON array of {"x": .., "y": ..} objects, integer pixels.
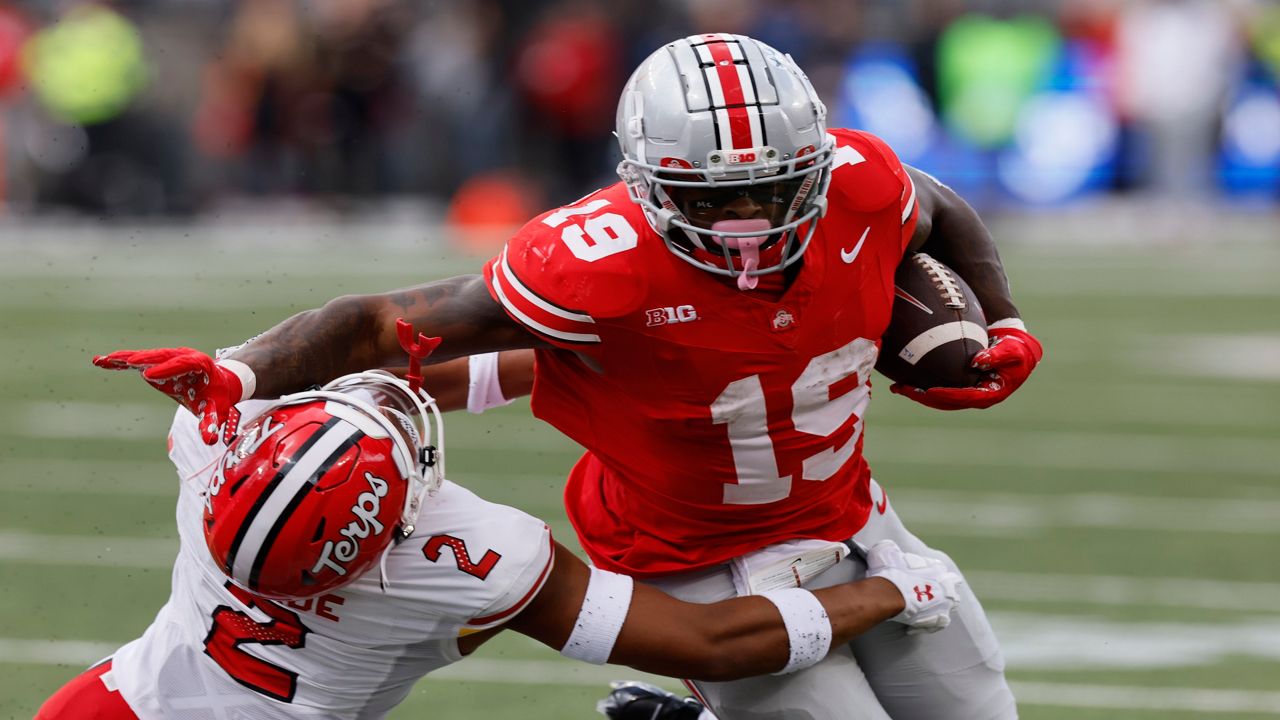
[{"x": 884, "y": 674}]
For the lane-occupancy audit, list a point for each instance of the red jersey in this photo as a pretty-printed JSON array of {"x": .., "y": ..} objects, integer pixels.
[{"x": 716, "y": 421}]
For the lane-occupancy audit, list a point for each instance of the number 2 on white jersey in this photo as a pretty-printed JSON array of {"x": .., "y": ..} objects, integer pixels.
[{"x": 742, "y": 407}]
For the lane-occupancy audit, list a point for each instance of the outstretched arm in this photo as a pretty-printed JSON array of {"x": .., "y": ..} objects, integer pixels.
[
  {"x": 731, "y": 639},
  {"x": 357, "y": 332},
  {"x": 347, "y": 335}
]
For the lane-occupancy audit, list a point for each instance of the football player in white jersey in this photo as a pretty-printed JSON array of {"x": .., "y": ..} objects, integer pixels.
[{"x": 325, "y": 565}]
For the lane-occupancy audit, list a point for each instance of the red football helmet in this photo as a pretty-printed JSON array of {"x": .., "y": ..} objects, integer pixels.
[{"x": 313, "y": 491}]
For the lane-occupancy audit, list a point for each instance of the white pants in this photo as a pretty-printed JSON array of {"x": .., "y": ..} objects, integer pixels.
[{"x": 884, "y": 674}]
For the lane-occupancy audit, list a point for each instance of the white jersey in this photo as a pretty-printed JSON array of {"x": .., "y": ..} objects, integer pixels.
[{"x": 215, "y": 651}]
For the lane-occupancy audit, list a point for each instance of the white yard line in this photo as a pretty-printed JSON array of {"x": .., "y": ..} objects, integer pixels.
[
  {"x": 969, "y": 514},
  {"x": 562, "y": 673},
  {"x": 228, "y": 266},
  {"x": 1211, "y": 455},
  {"x": 90, "y": 550},
  {"x": 80, "y": 420},
  {"x": 1000, "y": 514},
  {"x": 1252, "y": 357},
  {"x": 1117, "y": 697},
  {"x": 1127, "y": 591},
  {"x": 59, "y": 476},
  {"x": 1034, "y": 641},
  {"x": 1100, "y": 590},
  {"x": 54, "y": 652}
]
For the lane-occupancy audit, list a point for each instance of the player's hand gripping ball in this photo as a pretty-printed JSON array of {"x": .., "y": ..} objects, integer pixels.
[
  {"x": 935, "y": 330},
  {"x": 1007, "y": 362},
  {"x": 190, "y": 377}
]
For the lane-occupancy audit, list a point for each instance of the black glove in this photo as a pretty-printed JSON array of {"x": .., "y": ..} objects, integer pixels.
[{"x": 631, "y": 700}]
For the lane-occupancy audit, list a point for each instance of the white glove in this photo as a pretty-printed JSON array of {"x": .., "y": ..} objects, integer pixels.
[{"x": 927, "y": 585}]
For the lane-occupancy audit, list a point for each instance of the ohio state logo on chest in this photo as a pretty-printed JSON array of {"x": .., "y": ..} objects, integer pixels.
[
  {"x": 783, "y": 319},
  {"x": 335, "y": 555}
]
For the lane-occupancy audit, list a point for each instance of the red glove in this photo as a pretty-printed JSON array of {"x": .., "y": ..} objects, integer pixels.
[
  {"x": 1010, "y": 358},
  {"x": 193, "y": 379}
]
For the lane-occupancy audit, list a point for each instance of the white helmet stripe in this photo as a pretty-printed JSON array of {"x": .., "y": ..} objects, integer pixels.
[
  {"x": 273, "y": 506},
  {"x": 724, "y": 134}
]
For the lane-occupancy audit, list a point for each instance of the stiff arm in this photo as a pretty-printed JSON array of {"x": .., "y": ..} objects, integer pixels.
[{"x": 355, "y": 332}]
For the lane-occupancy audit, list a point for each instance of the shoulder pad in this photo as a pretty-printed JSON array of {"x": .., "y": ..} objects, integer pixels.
[
  {"x": 570, "y": 267},
  {"x": 485, "y": 562},
  {"x": 866, "y": 175}
]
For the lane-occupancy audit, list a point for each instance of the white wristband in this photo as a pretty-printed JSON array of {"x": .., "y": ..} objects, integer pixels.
[
  {"x": 808, "y": 627},
  {"x": 1009, "y": 324},
  {"x": 484, "y": 390},
  {"x": 248, "y": 381},
  {"x": 604, "y": 608}
]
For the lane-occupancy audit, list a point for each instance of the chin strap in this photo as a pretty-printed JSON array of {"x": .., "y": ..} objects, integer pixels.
[{"x": 384, "y": 582}]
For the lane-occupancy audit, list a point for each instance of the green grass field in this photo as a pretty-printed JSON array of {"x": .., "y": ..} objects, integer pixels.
[{"x": 1120, "y": 516}]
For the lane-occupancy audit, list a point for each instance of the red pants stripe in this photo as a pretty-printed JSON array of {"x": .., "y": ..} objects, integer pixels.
[{"x": 86, "y": 697}]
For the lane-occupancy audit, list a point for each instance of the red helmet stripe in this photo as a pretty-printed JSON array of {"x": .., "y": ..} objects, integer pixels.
[{"x": 733, "y": 96}]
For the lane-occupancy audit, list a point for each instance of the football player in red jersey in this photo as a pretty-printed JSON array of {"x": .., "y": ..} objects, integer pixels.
[
  {"x": 325, "y": 564},
  {"x": 706, "y": 329}
]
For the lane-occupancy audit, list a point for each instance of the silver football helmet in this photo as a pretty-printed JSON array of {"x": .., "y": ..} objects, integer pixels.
[{"x": 712, "y": 119}]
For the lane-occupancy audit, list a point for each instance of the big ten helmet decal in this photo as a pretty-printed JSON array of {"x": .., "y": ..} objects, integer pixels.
[
  {"x": 730, "y": 114},
  {"x": 315, "y": 489}
]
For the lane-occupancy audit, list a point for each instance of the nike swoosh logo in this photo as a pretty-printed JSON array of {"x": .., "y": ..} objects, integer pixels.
[
  {"x": 849, "y": 256},
  {"x": 884, "y": 502}
]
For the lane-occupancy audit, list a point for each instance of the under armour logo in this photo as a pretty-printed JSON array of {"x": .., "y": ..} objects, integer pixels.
[{"x": 925, "y": 594}]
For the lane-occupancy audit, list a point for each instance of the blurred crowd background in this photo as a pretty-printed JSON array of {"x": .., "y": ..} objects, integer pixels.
[{"x": 493, "y": 109}]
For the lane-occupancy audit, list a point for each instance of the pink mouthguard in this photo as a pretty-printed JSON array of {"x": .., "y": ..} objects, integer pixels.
[{"x": 748, "y": 247}]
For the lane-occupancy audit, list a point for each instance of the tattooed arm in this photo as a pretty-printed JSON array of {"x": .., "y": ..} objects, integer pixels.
[
  {"x": 949, "y": 230},
  {"x": 357, "y": 332}
]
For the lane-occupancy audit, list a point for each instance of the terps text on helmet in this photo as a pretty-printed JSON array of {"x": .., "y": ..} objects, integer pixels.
[{"x": 366, "y": 522}]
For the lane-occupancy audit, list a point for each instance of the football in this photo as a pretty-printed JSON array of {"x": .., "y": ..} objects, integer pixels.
[{"x": 936, "y": 327}]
